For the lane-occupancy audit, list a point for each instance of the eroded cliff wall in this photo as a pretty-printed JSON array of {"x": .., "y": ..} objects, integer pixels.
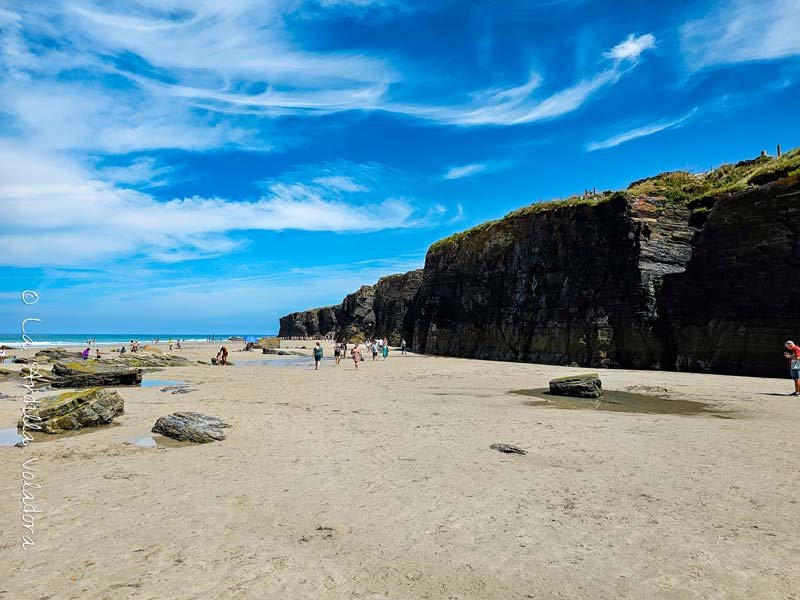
[
  {"x": 555, "y": 283},
  {"x": 317, "y": 322},
  {"x": 394, "y": 298},
  {"x": 737, "y": 301}
]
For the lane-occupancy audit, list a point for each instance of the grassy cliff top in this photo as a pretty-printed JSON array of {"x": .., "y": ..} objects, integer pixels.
[{"x": 680, "y": 187}]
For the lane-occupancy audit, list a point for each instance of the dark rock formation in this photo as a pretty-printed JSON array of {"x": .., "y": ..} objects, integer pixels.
[
  {"x": 75, "y": 410},
  {"x": 317, "y": 322},
  {"x": 394, "y": 298},
  {"x": 737, "y": 301},
  {"x": 91, "y": 373},
  {"x": 191, "y": 427},
  {"x": 508, "y": 449},
  {"x": 586, "y": 385},
  {"x": 554, "y": 283},
  {"x": 357, "y": 316}
]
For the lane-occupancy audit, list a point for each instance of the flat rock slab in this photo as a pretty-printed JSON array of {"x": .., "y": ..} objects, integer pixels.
[
  {"x": 91, "y": 373},
  {"x": 586, "y": 385},
  {"x": 75, "y": 410},
  {"x": 191, "y": 427}
]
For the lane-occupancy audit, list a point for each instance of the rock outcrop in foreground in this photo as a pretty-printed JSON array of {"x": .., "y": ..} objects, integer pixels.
[
  {"x": 587, "y": 385},
  {"x": 91, "y": 373},
  {"x": 694, "y": 272},
  {"x": 191, "y": 427},
  {"x": 75, "y": 410}
]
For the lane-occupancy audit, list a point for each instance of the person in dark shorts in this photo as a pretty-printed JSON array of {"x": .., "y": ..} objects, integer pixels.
[
  {"x": 792, "y": 354},
  {"x": 317, "y": 356}
]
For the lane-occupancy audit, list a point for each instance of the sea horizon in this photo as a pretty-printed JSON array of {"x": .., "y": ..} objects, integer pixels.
[{"x": 14, "y": 340}]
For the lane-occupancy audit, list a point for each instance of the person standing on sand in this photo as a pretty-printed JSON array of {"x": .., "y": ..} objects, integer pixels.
[
  {"x": 2, "y": 355},
  {"x": 403, "y": 346},
  {"x": 374, "y": 347},
  {"x": 317, "y": 356},
  {"x": 792, "y": 354},
  {"x": 385, "y": 349},
  {"x": 337, "y": 353},
  {"x": 356, "y": 354}
]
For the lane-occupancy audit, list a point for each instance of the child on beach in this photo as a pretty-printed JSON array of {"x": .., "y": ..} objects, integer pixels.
[
  {"x": 356, "y": 354},
  {"x": 374, "y": 347},
  {"x": 337, "y": 353},
  {"x": 222, "y": 356},
  {"x": 317, "y": 356}
]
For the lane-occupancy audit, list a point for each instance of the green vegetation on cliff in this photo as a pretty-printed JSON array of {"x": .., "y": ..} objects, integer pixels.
[{"x": 698, "y": 191}]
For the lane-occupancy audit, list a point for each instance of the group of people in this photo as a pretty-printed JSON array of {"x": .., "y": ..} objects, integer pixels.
[
  {"x": 87, "y": 351},
  {"x": 375, "y": 347}
]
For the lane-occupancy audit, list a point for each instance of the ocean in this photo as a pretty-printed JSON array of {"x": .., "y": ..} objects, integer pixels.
[{"x": 14, "y": 340}]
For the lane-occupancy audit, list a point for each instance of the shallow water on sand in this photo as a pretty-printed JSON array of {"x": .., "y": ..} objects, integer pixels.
[
  {"x": 158, "y": 441},
  {"x": 614, "y": 401},
  {"x": 162, "y": 382},
  {"x": 10, "y": 436}
]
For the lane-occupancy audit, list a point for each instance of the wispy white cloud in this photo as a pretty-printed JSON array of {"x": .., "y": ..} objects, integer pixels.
[
  {"x": 742, "y": 30},
  {"x": 86, "y": 220},
  {"x": 639, "y": 132},
  {"x": 464, "y": 171},
  {"x": 519, "y": 105},
  {"x": 632, "y": 47}
]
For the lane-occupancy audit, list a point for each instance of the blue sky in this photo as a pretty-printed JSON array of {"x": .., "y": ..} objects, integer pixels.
[{"x": 209, "y": 166}]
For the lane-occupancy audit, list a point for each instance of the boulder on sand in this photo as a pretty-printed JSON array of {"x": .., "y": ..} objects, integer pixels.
[
  {"x": 586, "y": 385},
  {"x": 191, "y": 427},
  {"x": 75, "y": 410},
  {"x": 91, "y": 373}
]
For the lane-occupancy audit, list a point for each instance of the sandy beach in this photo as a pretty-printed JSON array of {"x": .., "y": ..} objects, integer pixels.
[{"x": 380, "y": 484}]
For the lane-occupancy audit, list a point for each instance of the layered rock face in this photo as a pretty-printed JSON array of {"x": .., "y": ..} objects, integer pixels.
[
  {"x": 394, "y": 298},
  {"x": 75, "y": 410},
  {"x": 317, "y": 322},
  {"x": 357, "y": 316},
  {"x": 737, "y": 301},
  {"x": 554, "y": 283}
]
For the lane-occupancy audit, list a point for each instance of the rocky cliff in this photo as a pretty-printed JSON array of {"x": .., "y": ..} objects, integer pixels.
[
  {"x": 737, "y": 301},
  {"x": 394, "y": 298},
  {"x": 357, "y": 316},
  {"x": 317, "y": 322},
  {"x": 682, "y": 271},
  {"x": 555, "y": 283},
  {"x": 679, "y": 271}
]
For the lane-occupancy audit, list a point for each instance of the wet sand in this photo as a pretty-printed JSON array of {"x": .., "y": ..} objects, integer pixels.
[{"x": 380, "y": 484}]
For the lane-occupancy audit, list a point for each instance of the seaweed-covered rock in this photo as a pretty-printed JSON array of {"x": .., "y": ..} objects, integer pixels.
[
  {"x": 53, "y": 355},
  {"x": 76, "y": 410},
  {"x": 91, "y": 373},
  {"x": 149, "y": 361},
  {"x": 191, "y": 427},
  {"x": 586, "y": 385}
]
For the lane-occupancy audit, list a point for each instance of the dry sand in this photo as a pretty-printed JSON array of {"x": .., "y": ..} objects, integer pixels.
[{"x": 380, "y": 484}]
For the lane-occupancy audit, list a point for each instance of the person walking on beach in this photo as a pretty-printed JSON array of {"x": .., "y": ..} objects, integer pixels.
[
  {"x": 317, "y": 356},
  {"x": 170, "y": 344},
  {"x": 356, "y": 354},
  {"x": 374, "y": 347},
  {"x": 2, "y": 354},
  {"x": 792, "y": 354},
  {"x": 385, "y": 349},
  {"x": 403, "y": 346},
  {"x": 337, "y": 353}
]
